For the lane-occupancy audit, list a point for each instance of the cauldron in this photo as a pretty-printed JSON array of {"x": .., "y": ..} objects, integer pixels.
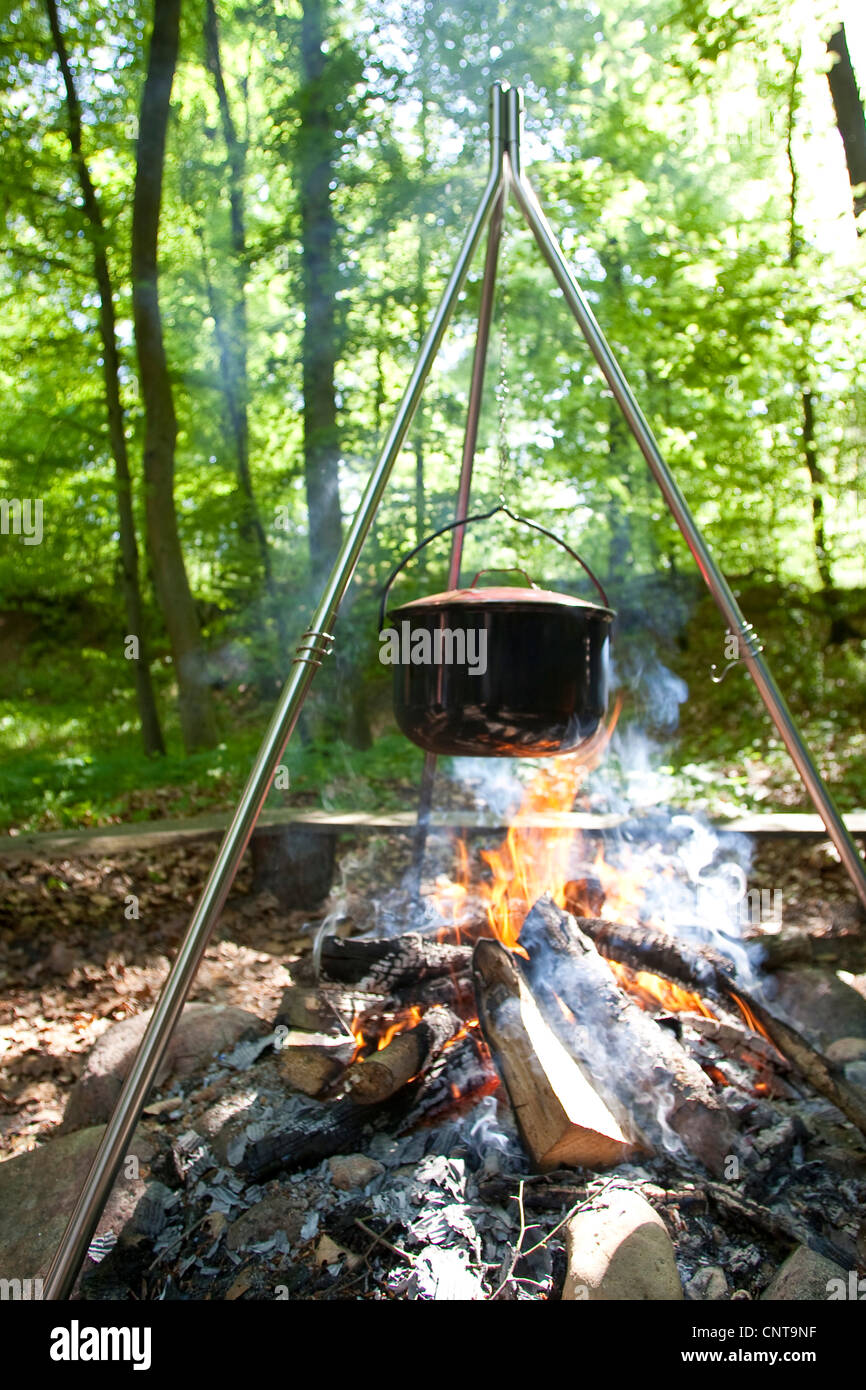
[{"x": 504, "y": 672}]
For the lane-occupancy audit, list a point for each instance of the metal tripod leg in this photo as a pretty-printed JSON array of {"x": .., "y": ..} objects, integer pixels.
[
  {"x": 712, "y": 575},
  {"x": 309, "y": 656},
  {"x": 470, "y": 440}
]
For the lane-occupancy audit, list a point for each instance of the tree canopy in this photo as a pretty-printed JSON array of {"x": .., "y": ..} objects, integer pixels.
[{"x": 227, "y": 224}]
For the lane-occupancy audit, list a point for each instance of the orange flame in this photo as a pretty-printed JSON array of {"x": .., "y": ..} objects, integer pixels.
[
  {"x": 753, "y": 1023},
  {"x": 655, "y": 990},
  {"x": 407, "y": 1018},
  {"x": 534, "y": 860}
]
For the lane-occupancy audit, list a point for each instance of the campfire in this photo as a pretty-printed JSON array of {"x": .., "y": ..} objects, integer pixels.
[
  {"x": 464, "y": 1108},
  {"x": 607, "y": 1034}
]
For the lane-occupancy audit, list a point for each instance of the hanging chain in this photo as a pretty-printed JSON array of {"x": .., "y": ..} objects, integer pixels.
[{"x": 502, "y": 400}]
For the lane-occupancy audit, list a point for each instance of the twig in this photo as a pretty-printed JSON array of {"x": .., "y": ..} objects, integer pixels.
[
  {"x": 380, "y": 1240},
  {"x": 520, "y": 1253}
]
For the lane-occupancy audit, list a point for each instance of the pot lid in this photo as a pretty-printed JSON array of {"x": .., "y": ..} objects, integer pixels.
[{"x": 502, "y": 595}]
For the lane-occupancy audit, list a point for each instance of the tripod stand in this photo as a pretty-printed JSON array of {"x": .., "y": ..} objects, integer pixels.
[{"x": 505, "y": 174}]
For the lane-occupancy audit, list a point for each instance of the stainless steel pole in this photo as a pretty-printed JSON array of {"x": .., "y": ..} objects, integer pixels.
[
  {"x": 712, "y": 575},
  {"x": 314, "y": 646},
  {"x": 470, "y": 441}
]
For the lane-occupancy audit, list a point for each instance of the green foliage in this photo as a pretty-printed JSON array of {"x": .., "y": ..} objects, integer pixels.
[{"x": 658, "y": 140}]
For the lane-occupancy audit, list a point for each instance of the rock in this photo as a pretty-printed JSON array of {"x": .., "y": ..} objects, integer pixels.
[
  {"x": 203, "y": 1031},
  {"x": 282, "y": 1211},
  {"x": 328, "y": 1252},
  {"x": 708, "y": 1285},
  {"x": 619, "y": 1249},
  {"x": 349, "y": 1171},
  {"x": 846, "y": 1050},
  {"x": 39, "y": 1189},
  {"x": 850, "y": 1163},
  {"x": 804, "y": 1275},
  {"x": 855, "y": 1072},
  {"x": 821, "y": 1006}
]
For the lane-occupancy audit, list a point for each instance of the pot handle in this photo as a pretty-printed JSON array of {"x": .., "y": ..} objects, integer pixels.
[
  {"x": 504, "y": 569},
  {"x": 467, "y": 521}
]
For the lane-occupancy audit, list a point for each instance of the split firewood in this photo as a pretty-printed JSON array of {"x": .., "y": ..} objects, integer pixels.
[
  {"x": 561, "y": 1117},
  {"x": 647, "y": 948},
  {"x": 387, "y": 966},
  {"x": 632, "y": 1060},
  {"x": 407, "y": 1055}
]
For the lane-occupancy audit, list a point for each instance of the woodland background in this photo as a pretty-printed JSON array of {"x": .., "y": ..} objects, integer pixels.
[{"x": 226, "y": 226}]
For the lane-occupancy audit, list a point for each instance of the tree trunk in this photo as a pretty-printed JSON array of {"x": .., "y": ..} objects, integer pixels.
[
  {"x": 316, "y": 156},
  {"x": 197, "y": 721},
  {"x": 422, "y": 302},
  {"x": 809, "y": 447},
  {"x": 232, "y": 336},
  {"x": 151, "y": 732},
  {"x": 850, "y": 120}
]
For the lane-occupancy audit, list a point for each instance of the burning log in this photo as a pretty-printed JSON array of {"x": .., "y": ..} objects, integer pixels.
[
  {"x": 462, "y": 1071},
  {"x": 628, "y": 1055},
  {"x": 387, "y": 967},
  {"x": 646, "y": 948},
  {"x": 309, "y": 1062},
  {"x": 409, "y": 1053},
  {"x": 561, "y": 1118}
]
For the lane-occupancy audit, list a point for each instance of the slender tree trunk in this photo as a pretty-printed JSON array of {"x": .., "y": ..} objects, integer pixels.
[
  {"x": 422, "y": 301},
  {"x": 232, "y": 335},
  {"x": 316, "y": 156},
  {"x": 818, "y": 481},
  {"x": 129, "y": 567},
  {"x": 850, "y": 119},
  {"x": 808, "y": 441},
  {"x": 198, "y": 725}
]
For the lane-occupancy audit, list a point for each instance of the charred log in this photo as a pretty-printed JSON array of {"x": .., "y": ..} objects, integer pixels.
[
  {"x": 386, "y": 967},
  {"x": 315, "y": 1131},
  {"x": 460, "y": 1073}
]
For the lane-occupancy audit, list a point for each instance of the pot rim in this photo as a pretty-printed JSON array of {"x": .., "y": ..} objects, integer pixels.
[{"x": 503, "y": 597}]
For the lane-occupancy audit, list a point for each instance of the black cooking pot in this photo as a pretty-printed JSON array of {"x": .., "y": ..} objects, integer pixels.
[{"x": 498, "y": 672}]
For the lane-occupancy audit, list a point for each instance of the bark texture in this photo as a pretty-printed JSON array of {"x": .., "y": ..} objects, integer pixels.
[{"x": 198, "y": 726}]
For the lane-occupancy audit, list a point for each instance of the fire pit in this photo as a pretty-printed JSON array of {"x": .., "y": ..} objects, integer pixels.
[{"x": 445, "y": 1113}]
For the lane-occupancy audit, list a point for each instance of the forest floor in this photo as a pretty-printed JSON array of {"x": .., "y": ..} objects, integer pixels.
[{"x": 71, "y": 964}]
